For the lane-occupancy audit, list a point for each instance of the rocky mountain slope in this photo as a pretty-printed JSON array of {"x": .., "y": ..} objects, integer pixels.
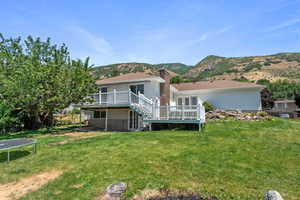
[
  {"x": 282, "y": 66},
  {"x": 122, "y": 68}
]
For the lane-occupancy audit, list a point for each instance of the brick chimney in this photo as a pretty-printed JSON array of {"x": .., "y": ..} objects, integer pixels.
[{"x": 165, "y": 87}]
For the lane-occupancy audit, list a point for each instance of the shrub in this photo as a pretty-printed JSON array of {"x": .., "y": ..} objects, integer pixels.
[
  {"x": 263, "y": 82},
  {"x": 208, "y": 106},
  {"x": 176, "y": 79},
  {"x": 251, "y": 66},
  {"x": 75, "y": 111},
  {"x": 241, "y": 79},
  {"x": 7, "y": 121}
]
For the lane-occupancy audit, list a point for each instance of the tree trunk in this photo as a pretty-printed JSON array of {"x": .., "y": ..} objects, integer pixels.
[
  {"x": 33, "y": 121},
  {"x": 48, "y": 119},
  {"x": 36, "y": 121}
]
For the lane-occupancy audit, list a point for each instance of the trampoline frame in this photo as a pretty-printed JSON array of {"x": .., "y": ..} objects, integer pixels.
[{"x": 34, "y": 143}]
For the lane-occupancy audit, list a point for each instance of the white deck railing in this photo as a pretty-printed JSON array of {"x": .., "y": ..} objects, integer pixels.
[
  {"x": 150, "y": 108},
  {"x": 191, "y": 112},
  {"x": 113, "y": 97}
]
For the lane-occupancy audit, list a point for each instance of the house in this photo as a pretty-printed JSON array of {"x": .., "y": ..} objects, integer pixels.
[
  {"x": 137, "y": 100},
  {"x": 285, "y": 108}
]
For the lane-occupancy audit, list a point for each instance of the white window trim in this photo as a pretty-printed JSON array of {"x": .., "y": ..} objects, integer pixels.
[{"x": 190, "y": 99}]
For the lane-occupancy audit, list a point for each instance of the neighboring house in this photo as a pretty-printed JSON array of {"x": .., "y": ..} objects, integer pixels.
[
  {"x": 285, "y": 108},
  {"x": 136, "y": 100}
]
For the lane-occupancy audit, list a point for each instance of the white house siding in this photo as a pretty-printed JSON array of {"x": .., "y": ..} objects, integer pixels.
[{"x": 229, "y": 99}]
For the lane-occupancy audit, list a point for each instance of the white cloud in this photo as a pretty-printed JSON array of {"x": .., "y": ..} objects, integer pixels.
[
  {"x": 84, "y": 43},
  {"x": 224, "y": 30},
  {"x": 285, "y": 24},
  {"x": 207, "y": 35}
]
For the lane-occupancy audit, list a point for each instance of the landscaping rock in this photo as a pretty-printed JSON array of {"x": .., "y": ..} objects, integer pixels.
[
  {"x": 273, "y": 195},
  {"x": 237, "y": 115},
  {"x": 115, "y": 191}
]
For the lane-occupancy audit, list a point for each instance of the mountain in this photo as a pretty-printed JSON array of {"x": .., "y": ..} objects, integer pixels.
[
  {"x": 272, "y": 67},
  {"x": 281, "y": 66},
  {"x": 122, "y": 68}
]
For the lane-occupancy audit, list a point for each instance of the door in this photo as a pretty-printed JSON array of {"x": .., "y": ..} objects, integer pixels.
[
  {"x": 136, "y": 89},
  {"x": 133, "y": 120}
]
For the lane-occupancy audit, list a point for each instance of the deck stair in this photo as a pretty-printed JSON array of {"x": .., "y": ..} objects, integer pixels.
[{"x": 142, "y": 105}]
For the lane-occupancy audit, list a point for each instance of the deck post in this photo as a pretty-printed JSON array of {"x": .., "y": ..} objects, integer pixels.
[
  {"x": 182, "y": 114},
  {"x": 129, "y": 96},
  {"x": 100, "y": 97},
  {"x": 150, "y": 126},
  {"x": 106, "y": 120},
  {"x": 139, "y": 95},
  {"x": 115, "y": 97},
  {"x": 168, "y": 110}
]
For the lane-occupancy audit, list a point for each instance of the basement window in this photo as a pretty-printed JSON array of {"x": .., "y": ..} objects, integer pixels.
[{"x": 99, "y": 114}]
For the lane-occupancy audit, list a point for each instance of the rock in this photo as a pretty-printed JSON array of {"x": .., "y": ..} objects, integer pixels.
[
  {"x": 220, "y": 116},
  {"x": 115, "y": 190},
  {"x": 273, "y": 195},
  {"x": 237, "y": 115},
  {"x": 248, "y": 117}
]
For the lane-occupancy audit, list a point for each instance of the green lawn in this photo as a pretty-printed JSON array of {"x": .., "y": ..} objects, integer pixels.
[{"x": 229, "y": 160}]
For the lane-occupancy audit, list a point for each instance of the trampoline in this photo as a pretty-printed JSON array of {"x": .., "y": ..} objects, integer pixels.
[{"x": 8, "y": 145}]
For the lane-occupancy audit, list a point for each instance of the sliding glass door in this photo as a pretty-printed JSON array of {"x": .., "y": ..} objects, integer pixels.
[{"x": 133, "y": 120}]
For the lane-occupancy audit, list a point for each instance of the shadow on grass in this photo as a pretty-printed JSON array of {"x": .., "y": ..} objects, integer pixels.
[
  {"x": 31, "y": 133},
  {"x": 13, "y": 155}
]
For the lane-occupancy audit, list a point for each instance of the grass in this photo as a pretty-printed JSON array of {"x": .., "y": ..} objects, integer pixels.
[{"x": 230, "y": 160}]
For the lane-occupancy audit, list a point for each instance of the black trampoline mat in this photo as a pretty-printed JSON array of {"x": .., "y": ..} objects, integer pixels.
[{"x": 14, "y": 143}]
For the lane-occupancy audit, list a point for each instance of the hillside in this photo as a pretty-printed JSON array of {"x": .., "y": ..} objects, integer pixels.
[
  {"x": 272, "y": 67},
  {"x": 123, "y": 68}
]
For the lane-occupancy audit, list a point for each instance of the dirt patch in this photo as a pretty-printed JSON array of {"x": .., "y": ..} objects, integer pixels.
[
  {"x": 166, "y": 195},
  {"x": 77, "y": 136},
  {"x": 15, "y": 190}
]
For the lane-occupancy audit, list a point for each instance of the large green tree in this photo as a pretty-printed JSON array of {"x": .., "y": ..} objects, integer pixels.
[{"x": 40, "y": 79}]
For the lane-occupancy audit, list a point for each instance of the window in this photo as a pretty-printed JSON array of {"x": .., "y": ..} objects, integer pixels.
[
  {"x": 99, "y": 114},
  {"x": 194, "y": 100},
  {"x": 103, "y": 90},
  {"x": 137, "y": 88},
  {"x": 179, "y": 101},
  {"x": 186, "y": 101},
  {"x": 103, "y": 95}
]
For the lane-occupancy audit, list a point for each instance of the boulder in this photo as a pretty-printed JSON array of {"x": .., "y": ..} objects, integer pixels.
[
  {"x": 115, "y": 191},
  {"x": 273, "y": 195}
]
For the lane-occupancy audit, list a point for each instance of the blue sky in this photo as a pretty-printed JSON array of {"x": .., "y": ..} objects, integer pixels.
[{"x": 158, "y": 31}]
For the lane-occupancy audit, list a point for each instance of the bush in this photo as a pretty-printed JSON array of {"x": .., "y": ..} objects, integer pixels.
[
  {"x": 267, "y": 63},
  {"x": 176, "y": 79},
  {"x": 7, "y": 121},
  {"x": 251, "y": 66},
  {"x": 241, "y": 79},
  {"x": 75, "y": 111},
  {"x": 208, "y": 106}
]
